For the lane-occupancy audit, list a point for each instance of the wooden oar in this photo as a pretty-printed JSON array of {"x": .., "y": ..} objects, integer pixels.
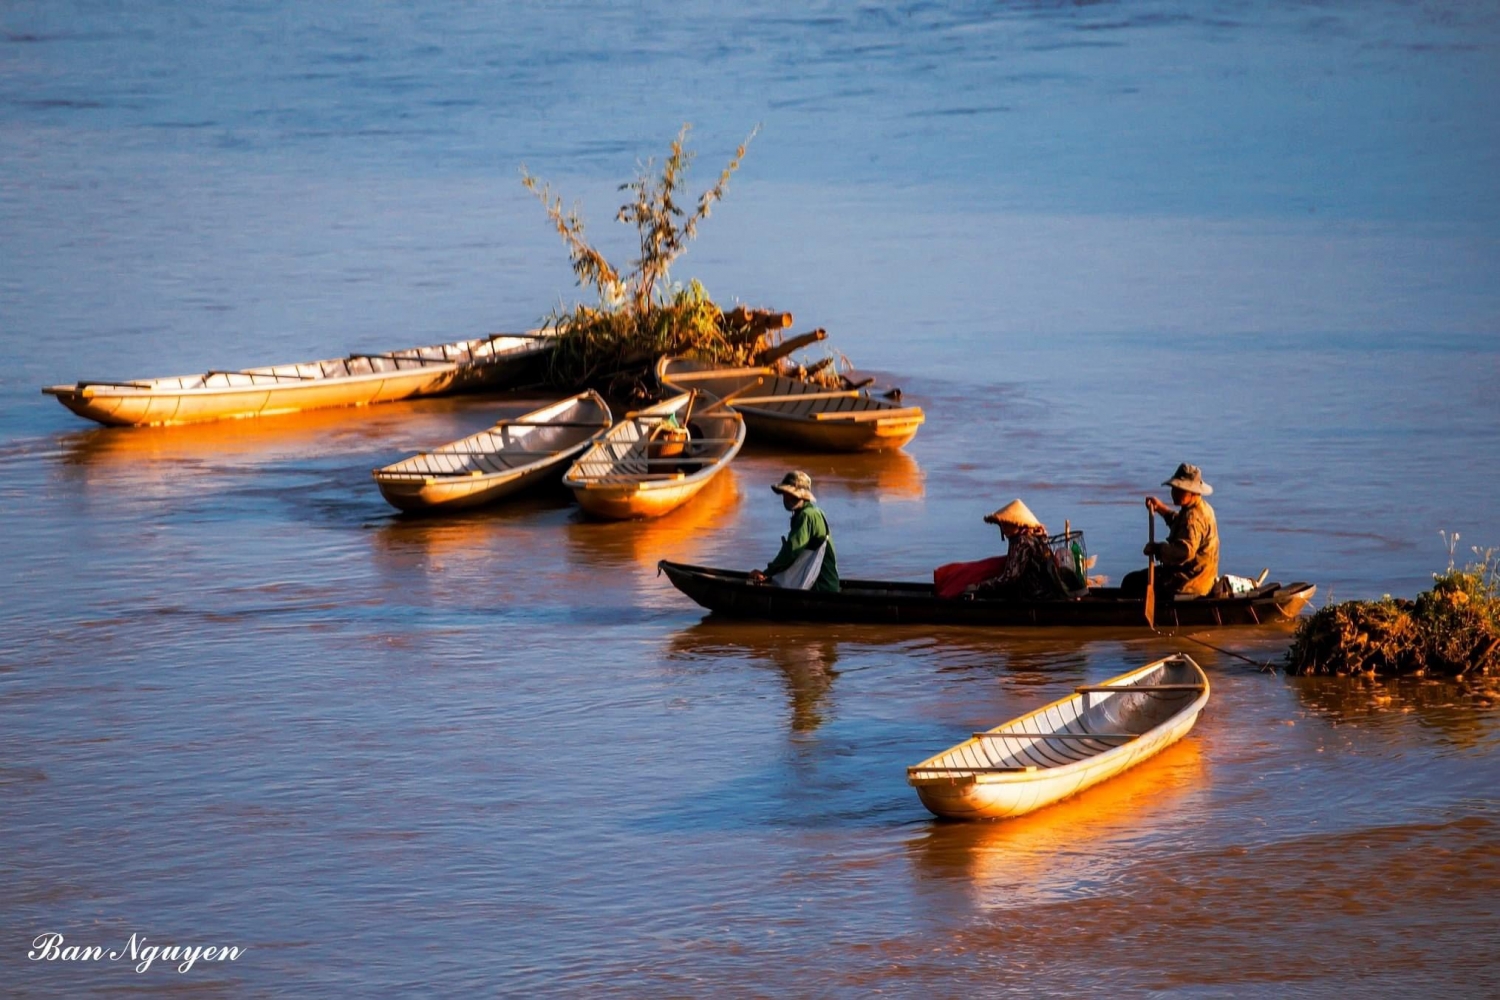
[
  {"x": 724, "y": 399},
  {"x": 1150, "y": 569},
  {"x": 713, "y": 373}
]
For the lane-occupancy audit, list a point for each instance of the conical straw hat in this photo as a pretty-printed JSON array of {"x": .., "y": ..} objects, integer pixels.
[{"x": 1016, "y": 513}]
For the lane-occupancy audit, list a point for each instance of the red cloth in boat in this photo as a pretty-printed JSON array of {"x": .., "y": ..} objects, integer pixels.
[{"x": 951, "y": 580}]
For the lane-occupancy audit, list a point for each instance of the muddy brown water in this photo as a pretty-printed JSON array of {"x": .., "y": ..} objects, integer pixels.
[{"x": 244, "y": 703}]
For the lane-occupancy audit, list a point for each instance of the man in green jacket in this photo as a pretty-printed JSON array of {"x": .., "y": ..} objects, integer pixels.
[{"x": 809, "y": 530}]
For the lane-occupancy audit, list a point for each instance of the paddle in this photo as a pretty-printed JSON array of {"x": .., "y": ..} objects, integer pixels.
[
  {"x": 1151, "y": 570},
  {"x": 725, "y": 399}
]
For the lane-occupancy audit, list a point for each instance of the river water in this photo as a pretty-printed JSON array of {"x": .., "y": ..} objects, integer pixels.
[{"x": 243, "y": 704}]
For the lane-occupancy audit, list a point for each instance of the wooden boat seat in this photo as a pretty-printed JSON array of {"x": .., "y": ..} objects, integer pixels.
[
  {"x": 962, "y": 771},
  {"x": 1138, "y": 687},
  {"x": 1059, "y": 736},
  {"x": 616, "y": 479}
]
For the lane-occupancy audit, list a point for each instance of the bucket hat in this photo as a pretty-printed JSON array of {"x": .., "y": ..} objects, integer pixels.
[
  {"x": 796, "y": 484},
  {"x": 1190, "y": 478}
]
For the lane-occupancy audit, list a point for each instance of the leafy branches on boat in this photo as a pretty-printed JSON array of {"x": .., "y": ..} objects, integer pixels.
[{"x": 640, "y": 313}]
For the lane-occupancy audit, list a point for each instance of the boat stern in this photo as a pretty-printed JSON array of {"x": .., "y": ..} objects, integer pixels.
[{"x": 1291, "y": 599}]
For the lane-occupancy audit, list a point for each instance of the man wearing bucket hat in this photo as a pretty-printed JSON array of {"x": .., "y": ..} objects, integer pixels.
[
  {"x": 809, "y": 533},
  {"x": 1190, "y": 555}
]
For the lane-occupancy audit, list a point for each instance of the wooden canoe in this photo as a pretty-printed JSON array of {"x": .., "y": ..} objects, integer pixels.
[
  {"x": 357, "y": 380},
  {"x": 1065, "y": 747},
  {"x": 730, "y": 593},
  {"x": 506, "y": 458},
  {"x": 800, "y": 413},
  {"x": 628, "y": 473}
]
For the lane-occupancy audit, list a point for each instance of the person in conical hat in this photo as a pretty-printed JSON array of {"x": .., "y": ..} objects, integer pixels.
[
  {"x": 1030, "y": 571},
  {"x": 809, "y": 532},
  {"x": 1190, "y": 555},
  {"x": 1015, "y": 516}
]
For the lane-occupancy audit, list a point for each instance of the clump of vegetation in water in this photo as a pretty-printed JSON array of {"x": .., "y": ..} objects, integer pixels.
[
  {"x": 1452, "y": 630},
  {"x": 640, "y": 314}
]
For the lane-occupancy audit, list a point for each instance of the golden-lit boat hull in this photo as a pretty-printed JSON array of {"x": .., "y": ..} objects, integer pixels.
[
  {"x": 356, "y": 380},
  {"x": 511, "y": 456},
  {"x": 885, "y": 434},
  {"x": 626, "y": 474},
  {"x": 798, "y": 413},
  {"x": 1065, "y": 747},
  {"x": 623, "y": 503}
]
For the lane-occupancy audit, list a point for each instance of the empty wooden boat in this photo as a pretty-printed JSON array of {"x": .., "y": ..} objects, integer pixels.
[
  {"x": 1065, "y": 747},
  {"x": 495, "y": 361},
  {"x": 730, "y": 593},
  {"x": 800, "y": 413},
  {"x": 657, "y": 459},
  {"x": 510, "y": 456}
]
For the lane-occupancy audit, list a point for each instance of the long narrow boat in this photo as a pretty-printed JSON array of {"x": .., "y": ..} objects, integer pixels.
[
  {"x": 485, "y": 363},
  {"x": 730, "y": 593},
  {"x": 637, "y": 470},
  {"x": 1061, "y": 749},
  {"x": 800, "y": 413},
  {"x": 506, "y": 458}
]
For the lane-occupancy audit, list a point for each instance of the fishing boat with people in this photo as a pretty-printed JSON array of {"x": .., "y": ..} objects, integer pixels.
[
  {"x": 657, "y": 459},
  {"x": 733, "y": 594},
  {"x": 1063, "y": 748},
  {"x": 800, "y": 412},
  {"x": 512, "y": 455},
  {"x": 492, "y": 362}
]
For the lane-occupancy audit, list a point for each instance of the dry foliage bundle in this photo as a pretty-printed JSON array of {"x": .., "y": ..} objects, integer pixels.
[
  {"x": 640, "y": 314},
  {"x": 1452, "y": 630}
]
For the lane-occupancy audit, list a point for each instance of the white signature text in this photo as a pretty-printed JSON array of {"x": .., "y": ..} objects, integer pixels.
[{"x": 50, "y": 947}]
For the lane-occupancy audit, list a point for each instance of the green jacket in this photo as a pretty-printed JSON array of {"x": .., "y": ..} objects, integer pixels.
[{"x": 809, "y": 529}]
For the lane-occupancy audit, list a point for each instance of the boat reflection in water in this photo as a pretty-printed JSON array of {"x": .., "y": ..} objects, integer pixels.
[
  {"x": 492, "y": 557},
  {"x": 803, "y": 656},
  {"x": 158, "y": 460},
  {"x": 889, "y": 475},
  {"x": 1070, "y": 849},
  {"x": 610, "y": 545},
  {"x": 406, "y": 425}
]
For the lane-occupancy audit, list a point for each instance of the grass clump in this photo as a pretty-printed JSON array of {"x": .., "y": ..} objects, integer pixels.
[
  {"x": 640, "y": 314},
  {"x": 1452, "y": 630}
]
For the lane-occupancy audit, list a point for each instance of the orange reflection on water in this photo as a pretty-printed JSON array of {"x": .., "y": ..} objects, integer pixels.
[
  {"x": 397, "y": 428},
  {"x": 676, "y": 536},
  {"x": 1047, "y": 855},
  {"x": 888, "y": 474},
  {"x": 484, "y": 543}
]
